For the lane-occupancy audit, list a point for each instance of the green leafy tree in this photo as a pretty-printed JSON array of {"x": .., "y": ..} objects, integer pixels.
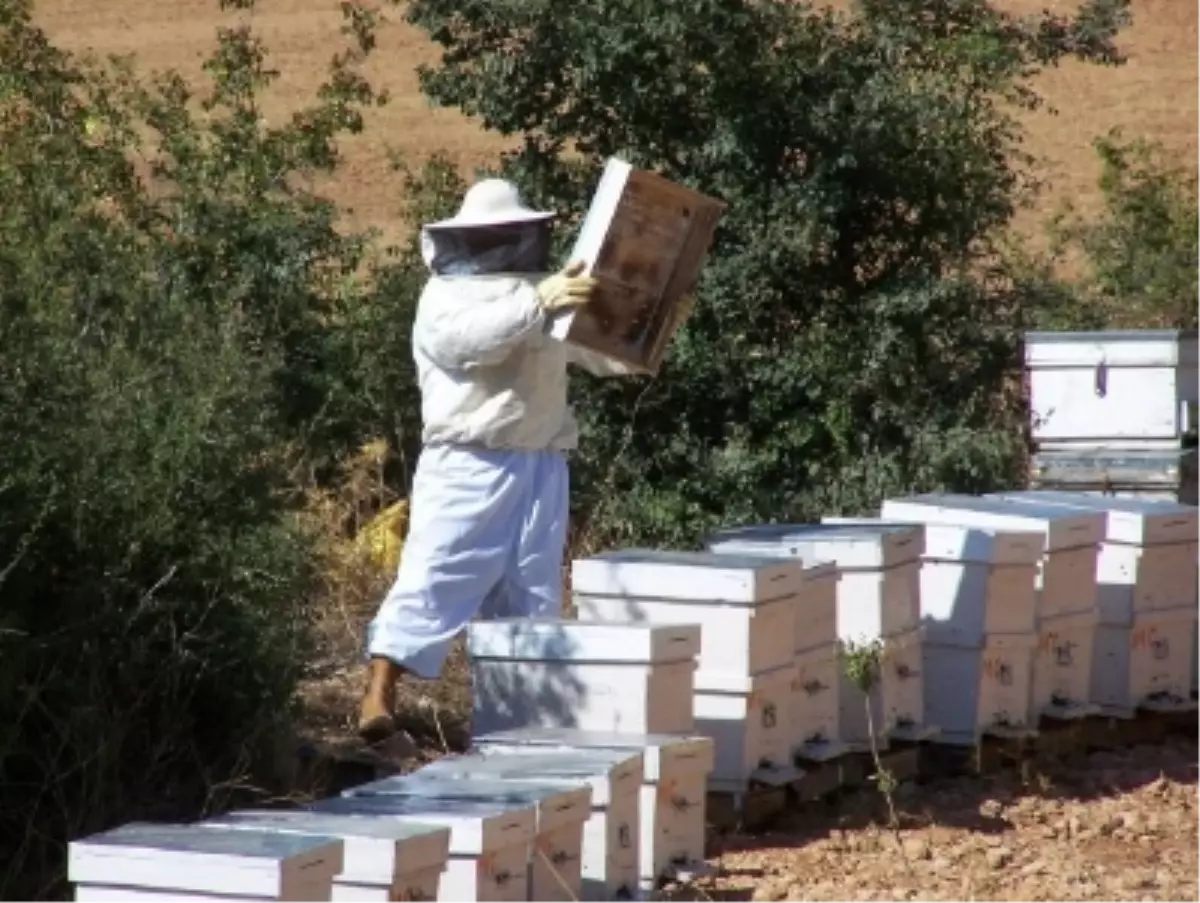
[
  {"x": 853, "y": 335},
  {"x": 1132, "y": 266}
]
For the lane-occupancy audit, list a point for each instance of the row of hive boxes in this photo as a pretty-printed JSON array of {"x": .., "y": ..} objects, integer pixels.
[
  {"x": 966, "y": 647},
  {"x": 1116, "y": 597},
  {"x": 531, "y": 815}
]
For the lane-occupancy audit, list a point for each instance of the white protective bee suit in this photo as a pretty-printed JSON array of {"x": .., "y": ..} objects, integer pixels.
[{"x": 489, "y": 500}]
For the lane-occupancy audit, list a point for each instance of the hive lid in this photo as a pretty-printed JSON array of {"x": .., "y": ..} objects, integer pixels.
[
  {"x": 190, "y": 858},
  {"x": 376, "y": 849},
  {"x": 665, "y": 754},
  {"x": 953, "y": 542},
  {"x": 609, "y": 772},
  {"x": 686, "y": 576},
  {"x": 1116, "y": 348},
  {"x": 554, "y": 639},
  {"x": 476, "y": 826},
  {"x": 850, "y": 546},
  {"x": 1134, "y": 521},
  {"x": 556, "y": 804},
  {"x": 1061, "y": 528}
]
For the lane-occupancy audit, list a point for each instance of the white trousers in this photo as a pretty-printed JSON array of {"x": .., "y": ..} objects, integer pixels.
[{"x": 486, "y": 536}]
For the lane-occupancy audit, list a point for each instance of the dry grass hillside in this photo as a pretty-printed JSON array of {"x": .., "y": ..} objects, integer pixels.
[{"x": 1154, "y": 95}]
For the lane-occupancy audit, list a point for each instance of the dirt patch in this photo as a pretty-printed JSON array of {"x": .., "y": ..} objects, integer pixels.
[{"x": 1116, "y": 826}]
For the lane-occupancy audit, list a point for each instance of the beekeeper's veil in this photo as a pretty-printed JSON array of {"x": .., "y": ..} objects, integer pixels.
[{"x": 493, "y": 232}]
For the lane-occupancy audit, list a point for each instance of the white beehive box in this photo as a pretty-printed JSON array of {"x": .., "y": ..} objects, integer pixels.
[
  {"x": 611, "y": 841},
  {"x": 1062, "y": 666},
  {"x": 749, "y": 720},
  {"x": 1111, "y": 388},
  {"x": 745, "y": 606},
  {"x": 556, "y": 854},
  {"x": 974, "y": 581},
  {"x": 902, "y": 689},
  {"x": 816, "y": 607},
  {"x": 1071, "y": 540},
  {"x": 102, "y": 893},
  {"x": 383, "y": 859},
  {"x": 607, "y": 677},
  {"x": 674, "y": 791},
  {"x": 1147, "y": 665},
  {"x": 489, "y": 841},
  {"x": 816, "y": 709},
  {"x": 1147, "y": 561},
  {"x": 897, "y": 700},
  {"x": 972, "y": 691},
  {"x": 878, "y": 586},
  {"x": 172, "y": 861}
]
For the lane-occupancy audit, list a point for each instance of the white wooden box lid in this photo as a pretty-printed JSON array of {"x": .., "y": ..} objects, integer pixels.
[
  {"x": 1116, "y": 348},
  {"x": 475, "y": 826},
  {"x": 851, "y": 546},
  {"x": 690, "y": 576},
  {"x": 555, "y": 639},
  {"x": 668, "y": 754},
  {"x": 376, "y": 849},
  {"x": 1062, "y": 529},
  {"x": 555, "y": 804},
  {"x": 609, "y": 772},
  {"x": 1130, "y": 520},
  {"x": 954, "y": 542},
  {"x": 189, "y": 854}
]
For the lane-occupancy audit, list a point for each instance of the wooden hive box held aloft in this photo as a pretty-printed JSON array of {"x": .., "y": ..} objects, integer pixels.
[{"x": 644, "y": 238}]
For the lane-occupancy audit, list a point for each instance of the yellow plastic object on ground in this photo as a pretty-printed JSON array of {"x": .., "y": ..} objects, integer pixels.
[{"x": 382, "y": 539}]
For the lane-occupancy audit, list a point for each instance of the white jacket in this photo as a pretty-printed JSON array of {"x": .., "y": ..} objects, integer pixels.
[{"x": 489, "y": 375}]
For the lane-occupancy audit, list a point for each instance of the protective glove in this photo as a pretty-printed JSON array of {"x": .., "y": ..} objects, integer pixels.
[
  {"x": 566, "y": 288},
  {"x": 682, "y": 311}
]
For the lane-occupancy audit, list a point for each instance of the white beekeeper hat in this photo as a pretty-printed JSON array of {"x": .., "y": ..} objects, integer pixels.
[{"x": 491, "y": 202}]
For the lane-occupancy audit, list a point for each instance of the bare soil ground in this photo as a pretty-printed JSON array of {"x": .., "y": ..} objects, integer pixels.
[{"x": 1121, "y": 825}]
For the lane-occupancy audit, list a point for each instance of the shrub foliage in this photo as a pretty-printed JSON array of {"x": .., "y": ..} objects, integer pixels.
[{"x": 184, "y": 332}]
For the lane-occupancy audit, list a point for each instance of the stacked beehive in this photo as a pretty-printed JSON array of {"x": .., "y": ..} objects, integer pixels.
[
  {"x": 184, "y": 862},
  {"x": 1114, "y": 412},
  {"x": 1067, "y": 613},
  {"x": 745, "y": 609},
  {"x": 622, "y": 687},
  {"x": 1146, "y": 600},
  {"x": 978, "y": 629},
  {"x": 384, "y": 859},
  {"x": 876, "y": 601},
  {"x": 673, "y": 794},
  {"x": 586, "y": 805}
]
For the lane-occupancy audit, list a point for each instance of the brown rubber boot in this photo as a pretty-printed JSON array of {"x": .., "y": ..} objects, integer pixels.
[{"x": 377, "y": 719}]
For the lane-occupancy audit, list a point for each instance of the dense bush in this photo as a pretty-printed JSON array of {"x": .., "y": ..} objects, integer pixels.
[
  {"x": 1134, "y": 264},
  {"x": 852, "y": 335},
  {"x": 181, "y": 340}
]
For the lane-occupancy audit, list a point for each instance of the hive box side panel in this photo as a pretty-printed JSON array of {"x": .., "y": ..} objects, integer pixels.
[{"x": 644, "y": 239}]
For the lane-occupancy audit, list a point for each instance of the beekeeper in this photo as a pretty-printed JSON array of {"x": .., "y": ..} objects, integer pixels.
[{"x": 489, "y": 497}]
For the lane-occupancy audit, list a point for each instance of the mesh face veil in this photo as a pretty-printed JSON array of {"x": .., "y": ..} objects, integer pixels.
[{"x": 484, "y": 250}]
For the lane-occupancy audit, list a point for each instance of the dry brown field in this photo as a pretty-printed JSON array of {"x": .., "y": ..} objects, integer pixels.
[{"x": 1153, "y": 96}]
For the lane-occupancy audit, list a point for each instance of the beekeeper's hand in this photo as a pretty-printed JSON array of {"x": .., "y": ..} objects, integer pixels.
[
  {"x": 683, "y": 310},
  {"x": 566, "y": 288}
]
